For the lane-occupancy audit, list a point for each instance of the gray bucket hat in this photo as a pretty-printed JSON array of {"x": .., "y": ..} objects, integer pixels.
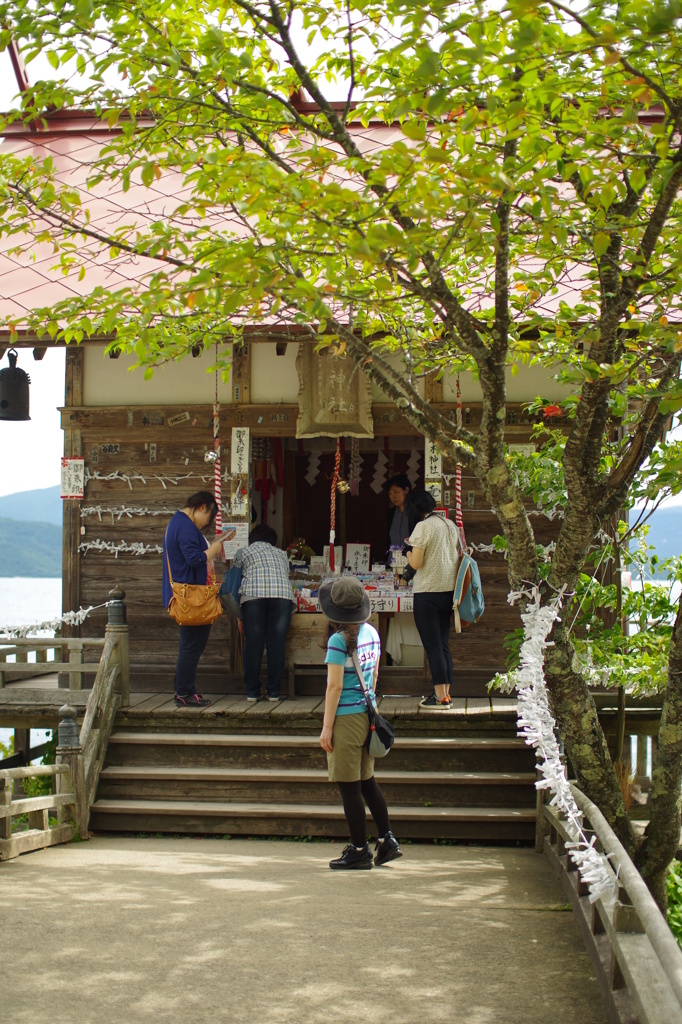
[{"x": 344, "y": 600}]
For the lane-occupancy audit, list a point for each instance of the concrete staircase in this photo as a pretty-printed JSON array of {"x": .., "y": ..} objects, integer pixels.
[{"x": 453, "y": 787}]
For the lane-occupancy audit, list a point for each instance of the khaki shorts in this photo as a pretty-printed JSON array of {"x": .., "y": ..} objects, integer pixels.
[{"x": 350, "y": 761}]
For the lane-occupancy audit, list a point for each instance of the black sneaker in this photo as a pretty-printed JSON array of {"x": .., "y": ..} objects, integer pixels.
[
  {"x": 434, "y": 703},
  {"x": 387, "y": 848},
  {"x": 352, "y": 859},
  {"x": 191, "y": 700}
]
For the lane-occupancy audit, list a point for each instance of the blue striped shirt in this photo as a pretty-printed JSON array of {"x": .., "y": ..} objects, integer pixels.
[{"x": 352, "y": 699}]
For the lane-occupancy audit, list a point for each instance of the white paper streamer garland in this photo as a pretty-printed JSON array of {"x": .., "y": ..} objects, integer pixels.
[
  {"x": 537, "y": 726},
  {"x": 135, "y": 548},
  {"x": 68, "y": 619},
  {"x": 124, "y": 510}
]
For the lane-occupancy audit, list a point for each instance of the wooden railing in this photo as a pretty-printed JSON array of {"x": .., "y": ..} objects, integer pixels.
[
  {"x": 16, "y": 654},
  {"x": 41, "y": 832},
  {"x": 637, "y": 960},
  {"x": 21, "y": 668},
  {"x": 80, "y": 755}
]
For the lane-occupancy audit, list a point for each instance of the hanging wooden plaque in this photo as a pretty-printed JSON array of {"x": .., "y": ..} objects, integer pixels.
[{"x": 334, "y": 398}]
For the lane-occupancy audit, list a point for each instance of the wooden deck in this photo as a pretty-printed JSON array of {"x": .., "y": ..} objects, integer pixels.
[{"x": 35, "y": 703}]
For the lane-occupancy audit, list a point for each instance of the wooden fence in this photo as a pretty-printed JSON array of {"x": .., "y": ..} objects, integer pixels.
[
  {"x": 635, "y": 955},
  {"x": 80, "y": 754},
  {"x": 41, "y": 831}
]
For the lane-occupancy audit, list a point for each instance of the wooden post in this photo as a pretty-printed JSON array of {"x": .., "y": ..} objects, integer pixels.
[
  {"x": 22, "y": 745},
  {"x": 73, "y": 757},
  {"x": 76, "y": 658},
  {"x": 640, "y": 773},
  {"x": 5, "y": 802},
  {"x": 117, "y": 628},
  {"x": 241, "y": 373},
  {"x": 71, "y": 521},
  {"x": 541, "y": 826},
  {"x": 70, "y": 752}
]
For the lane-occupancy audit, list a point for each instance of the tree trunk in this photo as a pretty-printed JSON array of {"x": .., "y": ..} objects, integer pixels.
[{"x": 662, "y": 837}]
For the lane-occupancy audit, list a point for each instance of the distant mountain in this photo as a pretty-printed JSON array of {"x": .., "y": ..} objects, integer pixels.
[
  {"x": 30, "y": 549},
  {"x": 41, "y": 506}
]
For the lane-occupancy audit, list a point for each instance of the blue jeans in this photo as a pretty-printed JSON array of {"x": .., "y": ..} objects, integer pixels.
[
  {"x": 432, "y": 614},
  {"x": 266, "y": 621},
  {"x": 193, "y": 640}
]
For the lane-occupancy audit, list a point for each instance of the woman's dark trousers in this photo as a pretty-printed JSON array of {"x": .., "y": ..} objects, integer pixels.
[
  {"x": 432, "y": 612},
  {"x": 193, "y": 640},
  {"x": 266, "y": 622}
]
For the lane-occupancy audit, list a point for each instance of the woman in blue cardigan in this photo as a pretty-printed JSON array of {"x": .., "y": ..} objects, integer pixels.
[{"x": 189, "y": 554}]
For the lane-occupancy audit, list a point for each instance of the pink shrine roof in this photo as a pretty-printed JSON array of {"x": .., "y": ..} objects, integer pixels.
[{"x": 29, "y": 280}]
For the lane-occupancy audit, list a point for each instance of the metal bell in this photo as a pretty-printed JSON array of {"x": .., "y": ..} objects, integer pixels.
[{"x": 14, "y": 390}]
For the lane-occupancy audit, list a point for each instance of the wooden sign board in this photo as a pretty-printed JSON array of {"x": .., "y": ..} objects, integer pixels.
[
  {"x": 357, "y": 557},
  {"x": 334, "y": 397},
  {"x": 433, "y": 461},
  {"x": 239, "y": 462},
  {"x": 338, "y": 557},
  {"x": 72, "y": 477}
]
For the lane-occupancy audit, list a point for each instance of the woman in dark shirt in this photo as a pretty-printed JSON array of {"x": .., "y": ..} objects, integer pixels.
[
  {"x": 189, "y": 554},
  {"x": 400, "y": 522}
]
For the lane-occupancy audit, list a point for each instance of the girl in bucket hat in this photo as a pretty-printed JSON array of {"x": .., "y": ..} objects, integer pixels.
[{"x": 346, "y": 722}]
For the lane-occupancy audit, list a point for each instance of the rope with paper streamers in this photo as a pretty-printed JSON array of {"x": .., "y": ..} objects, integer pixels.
[
  {"x": 128, "y": 478},
  {"x": 67, "y": 619},
  {"x": 135, "y": 548},
  {"x": 537, "y": 727},
  {"x": 332, "y": 518},
  {"x": 124, "y": 510}
]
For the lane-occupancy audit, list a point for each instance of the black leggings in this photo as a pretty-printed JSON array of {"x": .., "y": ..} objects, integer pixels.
[{"x": 354, "y": 795}]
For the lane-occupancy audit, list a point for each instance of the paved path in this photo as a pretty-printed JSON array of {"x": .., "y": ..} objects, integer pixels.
[{"x": 192, "y": 931}]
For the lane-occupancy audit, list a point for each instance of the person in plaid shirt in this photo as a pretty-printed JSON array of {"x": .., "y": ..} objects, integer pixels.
[{"x": 266, "y": 603}]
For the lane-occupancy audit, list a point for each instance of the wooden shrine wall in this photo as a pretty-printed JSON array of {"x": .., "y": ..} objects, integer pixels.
[{"x": 143, "y": 459}]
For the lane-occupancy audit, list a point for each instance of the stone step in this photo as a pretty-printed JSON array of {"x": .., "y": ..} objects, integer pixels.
[
  {"x": 258, "y": 818},
  {"x": 311, "y": 785}
]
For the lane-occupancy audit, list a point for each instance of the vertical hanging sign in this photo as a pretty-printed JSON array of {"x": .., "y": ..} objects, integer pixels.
[
  {"x": 73, "y": 477},
  {"x": 239, "y": 467},
  {"x": 433, "y": 470},
  {"x": 240, "y": 450}
]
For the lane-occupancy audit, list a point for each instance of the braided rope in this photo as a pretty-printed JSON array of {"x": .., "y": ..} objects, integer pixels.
[
  {"x": 217, "y": 483},
  {"x": 459, "y": 519}
]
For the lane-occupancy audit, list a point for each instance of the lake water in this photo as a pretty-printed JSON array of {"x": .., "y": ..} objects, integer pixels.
[{"x": 25, "y": 601}]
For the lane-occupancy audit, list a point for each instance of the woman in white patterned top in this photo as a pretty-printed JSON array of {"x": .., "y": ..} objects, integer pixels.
[{"x": 433, "y": 550}]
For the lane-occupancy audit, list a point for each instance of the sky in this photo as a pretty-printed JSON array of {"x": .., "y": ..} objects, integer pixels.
[{"x": 32, "y": 450}]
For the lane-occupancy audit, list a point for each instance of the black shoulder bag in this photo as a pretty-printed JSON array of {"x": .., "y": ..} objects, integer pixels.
[{"x": 381, "y": 733}]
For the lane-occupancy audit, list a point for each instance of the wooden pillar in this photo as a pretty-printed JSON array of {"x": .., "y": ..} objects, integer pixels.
[
  {"x": 71, "y": 521},
  {"x": 241, "y": 374},
  {"x": 73, "y": 782},
  {"x": 76, "y": 659},
  {"x": 22, "y": 745},
  {"x": 117, "y": 628}
]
